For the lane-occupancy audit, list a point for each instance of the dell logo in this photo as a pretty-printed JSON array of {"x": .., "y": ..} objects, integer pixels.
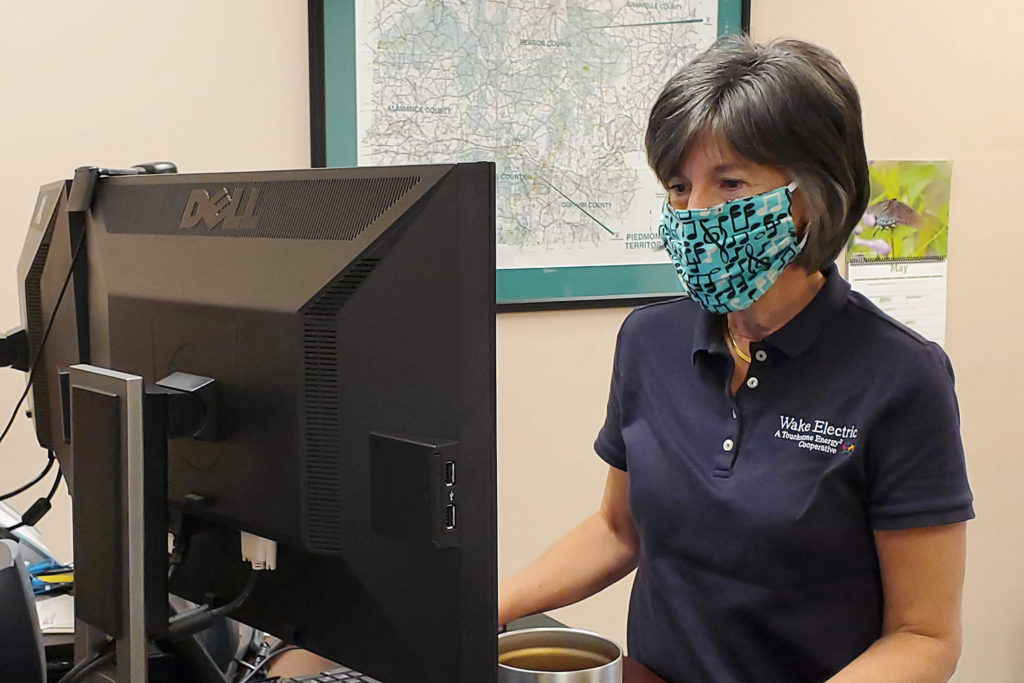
[{"x": 235, "y": 210}]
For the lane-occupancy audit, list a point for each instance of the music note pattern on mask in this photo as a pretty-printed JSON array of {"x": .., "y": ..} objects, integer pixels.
[{"x": 729, "y": 255}]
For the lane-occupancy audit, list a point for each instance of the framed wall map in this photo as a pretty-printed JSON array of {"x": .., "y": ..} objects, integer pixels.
[{"x": 555, "y": 93}]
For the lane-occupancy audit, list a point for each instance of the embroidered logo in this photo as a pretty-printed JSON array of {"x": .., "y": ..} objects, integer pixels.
[{"x": 818, "y": 435}]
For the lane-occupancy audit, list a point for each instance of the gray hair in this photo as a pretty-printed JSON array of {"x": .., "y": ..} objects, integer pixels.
[{"x": 787, "y": 104}]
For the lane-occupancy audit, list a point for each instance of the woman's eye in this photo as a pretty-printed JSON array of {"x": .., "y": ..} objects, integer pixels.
[
  {"x": 679, "y": 189},
  {"x": 732, "y": 183}
]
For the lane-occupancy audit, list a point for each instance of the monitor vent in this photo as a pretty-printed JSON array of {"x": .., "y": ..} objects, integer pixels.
[
  {"x": 323, "y": 464},
  {"x": 320, "y": 209},
  {"x": 34, "y": 319}
]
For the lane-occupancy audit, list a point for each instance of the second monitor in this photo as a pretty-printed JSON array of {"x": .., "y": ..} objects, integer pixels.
[{"x": 347, "y": 317}]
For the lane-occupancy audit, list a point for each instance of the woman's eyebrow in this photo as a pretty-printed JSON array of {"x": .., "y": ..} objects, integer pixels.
[{"x": 731, "y": 166}]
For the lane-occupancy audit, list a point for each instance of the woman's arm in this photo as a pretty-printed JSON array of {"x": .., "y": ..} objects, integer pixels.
[
  {"x": 299, "y": 663},
  {"x": 594, "y": 555},
  {"x": 922, "y": 584}
]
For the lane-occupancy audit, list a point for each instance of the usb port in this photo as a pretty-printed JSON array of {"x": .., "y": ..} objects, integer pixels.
[
  {"x": 449, "y": 473},
  {"x": 449, "y": 517}
]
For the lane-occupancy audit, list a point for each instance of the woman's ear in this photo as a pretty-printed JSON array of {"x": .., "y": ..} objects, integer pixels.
[{"x": 798, "y": 209}]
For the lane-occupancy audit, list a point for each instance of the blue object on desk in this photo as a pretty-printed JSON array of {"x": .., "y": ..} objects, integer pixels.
[
  {"x": 45, "y": 565},
  {"x": 46, "y": 588},
  {"x": 49, "y": 590},
  {"x": 23, "y": 660}
]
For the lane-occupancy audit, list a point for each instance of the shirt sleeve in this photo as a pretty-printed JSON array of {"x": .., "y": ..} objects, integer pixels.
[
  {"x": 915, "y": 470},
  {"x": 610, "y": 445}
]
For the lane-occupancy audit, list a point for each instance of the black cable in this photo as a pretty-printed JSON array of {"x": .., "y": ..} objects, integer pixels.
[
  {"x": 26, "y": 487},
  {"x": 56, "y": 483},
  {"x": 90, "y": 665},
  {"x": 46, "y": 335},
  {"x": 200, "y": 619},
  {"x": 192, "y": 622},
  {"x": 38, "y": 509},
  {"x": 182, "y": 528},
  {"x": 97, "y": 659}
]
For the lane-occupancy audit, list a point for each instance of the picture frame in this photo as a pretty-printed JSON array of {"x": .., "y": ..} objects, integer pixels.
[{"x": 334, "y": 141}]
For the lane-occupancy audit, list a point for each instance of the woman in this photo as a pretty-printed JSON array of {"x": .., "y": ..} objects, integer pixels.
[{"x": 786, "y": 471}]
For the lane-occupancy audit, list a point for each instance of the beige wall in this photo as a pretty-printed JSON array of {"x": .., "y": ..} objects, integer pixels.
[
  {"x": 223, "y": 86},
  {"x": 209, "y": 85},
  {"x": 554, "y": 370}
]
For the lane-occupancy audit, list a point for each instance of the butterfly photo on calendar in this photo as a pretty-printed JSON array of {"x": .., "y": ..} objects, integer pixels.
[{"x": 907, "y": 216}]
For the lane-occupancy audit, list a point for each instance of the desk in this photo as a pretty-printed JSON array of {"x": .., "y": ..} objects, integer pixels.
[{"x": 634, "y": 672}]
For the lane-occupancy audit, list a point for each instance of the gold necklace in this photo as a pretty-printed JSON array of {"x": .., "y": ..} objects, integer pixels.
[{"x": 735, "y": 346}]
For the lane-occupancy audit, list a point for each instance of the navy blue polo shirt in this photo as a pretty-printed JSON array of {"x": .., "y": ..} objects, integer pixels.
[{"x": 756, "y": 512}]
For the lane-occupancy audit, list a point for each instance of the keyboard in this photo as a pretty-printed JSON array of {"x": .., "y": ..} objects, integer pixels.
[{"x": 340, "y": 675}]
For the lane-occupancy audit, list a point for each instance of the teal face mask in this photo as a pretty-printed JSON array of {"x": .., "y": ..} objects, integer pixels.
[{"x": 728, "y": 256}]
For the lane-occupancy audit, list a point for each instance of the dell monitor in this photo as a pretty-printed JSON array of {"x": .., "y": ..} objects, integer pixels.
[{"x": 346, "y": 317}]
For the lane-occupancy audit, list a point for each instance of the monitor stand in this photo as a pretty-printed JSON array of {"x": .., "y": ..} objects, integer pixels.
[
  {"x": 119, "y": 433},
  {"x": 109, "y": 509}
]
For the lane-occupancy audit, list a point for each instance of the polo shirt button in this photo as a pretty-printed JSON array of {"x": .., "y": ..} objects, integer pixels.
[
  {"x": 727, "y": 445},
  {"x": 761, "y": 355},
  {"x": 752, "y": 383}
]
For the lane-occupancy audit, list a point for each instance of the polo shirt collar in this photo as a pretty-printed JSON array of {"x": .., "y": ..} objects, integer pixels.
[
  {"x": 795, "y": 336},
  {"x": 707, "y": 334}
]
